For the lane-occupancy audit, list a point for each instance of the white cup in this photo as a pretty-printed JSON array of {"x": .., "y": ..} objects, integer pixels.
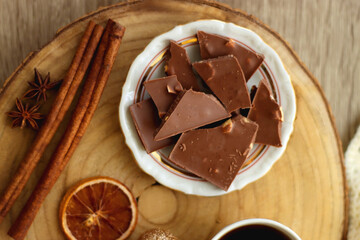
[{"x": 258, "y": 221}]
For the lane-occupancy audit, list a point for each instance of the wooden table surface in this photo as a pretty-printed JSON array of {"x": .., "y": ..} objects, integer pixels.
[{"x": 324, "y": 33}]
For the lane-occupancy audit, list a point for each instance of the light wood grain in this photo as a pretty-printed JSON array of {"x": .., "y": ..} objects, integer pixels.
[
  {"x": 305, "y": 189},
  {"x": 325, "y": 34}
]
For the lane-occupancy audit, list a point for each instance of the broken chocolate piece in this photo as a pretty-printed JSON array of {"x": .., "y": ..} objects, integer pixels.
[
  {"x": 245, "y": 112},
  {"x": 216, "y": 154},
  {"x": 212, "y": 46},
  {"x": 163, "y": 92},
  {"x": 190, "y": 110},
  {"x": 179, "y": 65},
  {"x": 253, "y": 92},
  {"x": 225, "y": 78},
  {"x": 268, "y": 115},
  {"x": 146, "y": 121}
]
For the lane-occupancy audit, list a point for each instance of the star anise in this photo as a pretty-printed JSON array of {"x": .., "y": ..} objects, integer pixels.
[
  {"x": 40, "y": 87},
  {"x": 25, "y": 115}
]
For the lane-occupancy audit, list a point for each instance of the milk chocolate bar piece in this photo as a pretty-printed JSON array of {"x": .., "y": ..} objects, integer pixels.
[
  {"x": 163, "y": 92},
  {"x": 179, "y": 65},
  {"x": 253, "y": 92},
  {"x": 268, "y": 115},
  {"x": 225, "y": 78},
  {"x": 190, "y": 110},
  {"x": 212, "y": 46},
  {"x": 216, "y": 154},
  {"x": 245, "y": 111},
  {"x": 146, "y": 121}
]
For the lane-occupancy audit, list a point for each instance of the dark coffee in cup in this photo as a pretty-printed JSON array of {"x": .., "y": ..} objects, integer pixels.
[{"x": 255, "y": 232}]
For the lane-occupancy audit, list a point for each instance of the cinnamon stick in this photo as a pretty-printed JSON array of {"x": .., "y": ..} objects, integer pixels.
[
  {"x": 81, "y": 117},
  {"x": 60, "y": 106}
]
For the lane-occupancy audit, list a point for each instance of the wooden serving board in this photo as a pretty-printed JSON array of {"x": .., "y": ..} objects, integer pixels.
[{"x": 305, "y": 189}]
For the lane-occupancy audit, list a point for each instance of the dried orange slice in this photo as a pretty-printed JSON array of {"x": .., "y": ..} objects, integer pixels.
[{"x": 98, "y": 208}]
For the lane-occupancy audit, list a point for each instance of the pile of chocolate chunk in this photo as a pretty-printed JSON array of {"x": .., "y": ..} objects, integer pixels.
[{"x": 213, "y": 120}]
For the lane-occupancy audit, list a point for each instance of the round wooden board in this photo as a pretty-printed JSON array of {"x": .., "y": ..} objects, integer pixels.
[{"x": 304, "y": 190}]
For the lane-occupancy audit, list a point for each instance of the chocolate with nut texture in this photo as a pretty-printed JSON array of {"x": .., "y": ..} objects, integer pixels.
[
  {"x": 268, "y": 115},
  {"x": 216, "y": 154},
  {"x": 190, "y": 110},
  {"x": 163, "y": 92},
  {"x": 179, "y": 65},
  {"x": 212, "y": 46},
  {"x": 225, "y": 78},
  {"x": 146, "y": 121}
]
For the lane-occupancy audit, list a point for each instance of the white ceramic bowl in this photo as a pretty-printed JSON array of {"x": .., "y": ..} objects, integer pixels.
[
  {"x": 258, "y": 221},
  {"x": 150, "y": 65}
]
